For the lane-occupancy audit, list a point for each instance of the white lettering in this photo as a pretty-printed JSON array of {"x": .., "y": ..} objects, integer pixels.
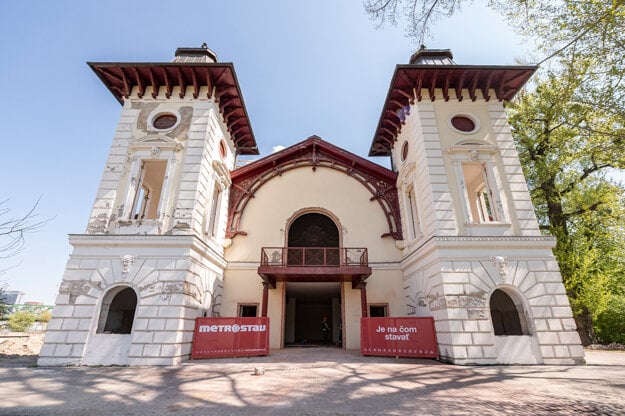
[{"x": 232, "y": 328}]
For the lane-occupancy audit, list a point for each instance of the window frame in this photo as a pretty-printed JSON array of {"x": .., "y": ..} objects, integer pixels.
[
  {"x": 480, "y": 155},
  {"x": 150, "y": 149},
  {"x": 240, "y": 307},
  {"x": 384, "y": 306}
]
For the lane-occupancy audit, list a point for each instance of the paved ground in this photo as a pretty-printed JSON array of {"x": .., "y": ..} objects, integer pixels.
[{"x": 315, "y": 381}]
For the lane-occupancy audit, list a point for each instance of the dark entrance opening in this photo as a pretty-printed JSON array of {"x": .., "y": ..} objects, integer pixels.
[
  {"x": 121, "y": 311},
  {"x": 306, "y": 305},
  {"x": 507, "y": 318}
]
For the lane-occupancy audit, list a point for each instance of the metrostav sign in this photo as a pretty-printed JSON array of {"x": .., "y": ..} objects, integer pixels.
[
  {"x": 398, "y": 337},
  {"x": 230, "y": 337}
]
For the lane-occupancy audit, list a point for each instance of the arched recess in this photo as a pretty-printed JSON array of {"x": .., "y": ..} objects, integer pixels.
[
  {"x": 118, "y": 311},
  {"x": 507, "y": 313},
  {"x": 315, "y": 152},
  {"x": 313, "y": 238}
]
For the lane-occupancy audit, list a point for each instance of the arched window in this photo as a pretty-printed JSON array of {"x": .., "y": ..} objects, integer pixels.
[
  {"x": 315, "y": 241},
  {"x": 118, "y": 311},
  {"x": 508, "y": 318}
]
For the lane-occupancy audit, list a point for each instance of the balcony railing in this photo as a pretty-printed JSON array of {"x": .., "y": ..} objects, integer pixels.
[{"x": 313, "y": 257}]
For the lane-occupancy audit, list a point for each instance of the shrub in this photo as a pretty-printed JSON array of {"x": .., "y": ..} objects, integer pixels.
[
  {"x": 21, "y": 321},
  {"x": 44, "y": 316},
  {"x": 610, "y": 324}
]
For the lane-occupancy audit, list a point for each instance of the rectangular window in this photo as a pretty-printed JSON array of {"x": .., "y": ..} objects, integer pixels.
[
  {"x": 149, "y": 189},
  {"x": 413, "y": 220},
  {"x": 378, "y": 311},
  {"x": 248, "y": 311},
  {"x": 478, "y": 192},
  {"x": 213, "y": 220}
]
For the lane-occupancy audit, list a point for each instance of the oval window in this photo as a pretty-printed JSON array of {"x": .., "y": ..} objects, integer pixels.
[
  {"x": 404, "y": 151},
  {"x": 463, "y": 123},
  {"x": 164, "y": 121}
]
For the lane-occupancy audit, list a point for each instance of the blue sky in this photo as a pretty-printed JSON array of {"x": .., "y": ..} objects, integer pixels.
[{"x": 304, "y": 67}]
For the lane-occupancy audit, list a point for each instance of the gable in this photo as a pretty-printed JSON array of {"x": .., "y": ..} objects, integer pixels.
[{"x": 314, "y": 152}]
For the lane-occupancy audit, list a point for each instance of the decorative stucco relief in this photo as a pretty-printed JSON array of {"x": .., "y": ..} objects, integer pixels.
[
  {"x": 127, "y": 262},
  {"x": 470, "y": 300},
  {"x": 75, "y": 289},
  {"x": 166, "y": 289}
]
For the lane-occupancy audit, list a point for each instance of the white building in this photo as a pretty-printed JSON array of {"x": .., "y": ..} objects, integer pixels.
[{"x": 177, "y": 232}]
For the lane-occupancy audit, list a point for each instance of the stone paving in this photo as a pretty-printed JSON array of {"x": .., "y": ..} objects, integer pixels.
[{"x": 315, "y": 381}]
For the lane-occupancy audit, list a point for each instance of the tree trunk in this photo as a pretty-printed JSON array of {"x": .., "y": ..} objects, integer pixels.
[{"x": 584, "y": 328}]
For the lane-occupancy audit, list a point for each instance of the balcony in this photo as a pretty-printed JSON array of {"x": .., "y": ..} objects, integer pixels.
[{"x": 314, "y": 264}]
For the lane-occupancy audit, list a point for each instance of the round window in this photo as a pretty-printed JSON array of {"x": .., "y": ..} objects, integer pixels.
[
  {"x": 463, "y": 123},
  {"x": 164, "y": 121},
  {"x": 404, "y": 151}
]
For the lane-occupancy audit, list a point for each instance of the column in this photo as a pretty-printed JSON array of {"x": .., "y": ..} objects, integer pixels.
[
  {"x": 263, "y": 310},
  {"x": 363, "y": 299}
]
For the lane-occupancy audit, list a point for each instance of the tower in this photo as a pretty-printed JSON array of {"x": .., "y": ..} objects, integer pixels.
[
  {"x": 473, "y": 254},
  {"x": 151, "y": 259}
]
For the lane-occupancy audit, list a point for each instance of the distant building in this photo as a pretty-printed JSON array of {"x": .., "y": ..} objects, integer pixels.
[
  {"x": 178, "y": 231},
  {"x": 12, "y": 297}
]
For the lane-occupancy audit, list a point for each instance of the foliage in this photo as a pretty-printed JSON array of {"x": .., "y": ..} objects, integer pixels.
[
  {"x": 570, "y": 132},
  {"x": 610, "y": 323},
  {"x": 20, "y": 321},
  {"x": 590, "y": 27},
  {"x": 44, "y": 316},
  {"x": 567, "y": 146}
]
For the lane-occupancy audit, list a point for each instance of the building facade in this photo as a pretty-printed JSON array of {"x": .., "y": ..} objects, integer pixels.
[{"x": 179, "y": 231}]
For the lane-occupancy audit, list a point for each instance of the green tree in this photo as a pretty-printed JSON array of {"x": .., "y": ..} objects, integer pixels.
[
  {"x": 570, "y": 134},
  {"x": 567, "y": 147},
  {"x": 20, "y": 321}
]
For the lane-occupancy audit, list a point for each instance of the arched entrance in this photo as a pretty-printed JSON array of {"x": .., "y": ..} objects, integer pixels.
[
  {"x": 313, "y": 240},
  {"x": 118, "y": 311},
  {"x": 513, "y": 341},
  {"x": 507, "y": 317}
]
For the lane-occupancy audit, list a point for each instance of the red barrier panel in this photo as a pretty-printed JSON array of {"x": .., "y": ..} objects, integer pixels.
[
  {"x": 398, "y": 337},
  {"x": 230, "y": 337}
]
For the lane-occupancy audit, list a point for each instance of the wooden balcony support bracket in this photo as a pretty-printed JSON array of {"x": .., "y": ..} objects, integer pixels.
[
  {"x": 486, "y": 89},
  {"x": 446, "y": 87},
  {"x": 168, "y": 85},
  {"x": 473, "y": 87},
  {"x": 127, "y": 87},
  {"x": 500, "y": 87},
  {"x": 460, "y": 86},
  {"x": 181, "y": 82},
  {"x": 209, "y": 84},
  {"x": 405, "y": 94},
  {"x": 419, "y": 86},
  {"x": 221, "y": 76},
  {"x": 196, "y": 84},
  {"x": 155, "y": 86},
  {"x": 140, "y": 86},
  {"x": 433, "y": 87}
]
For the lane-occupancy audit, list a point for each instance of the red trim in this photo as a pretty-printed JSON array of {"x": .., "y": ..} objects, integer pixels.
[
  {"x": 314, "y": 152},
  {"x": 220, "y": 76},
  {"x": 408, "y": 80}
]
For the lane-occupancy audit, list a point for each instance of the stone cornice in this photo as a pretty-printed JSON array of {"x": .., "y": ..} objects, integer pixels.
[{"x": 124, "y": 241}]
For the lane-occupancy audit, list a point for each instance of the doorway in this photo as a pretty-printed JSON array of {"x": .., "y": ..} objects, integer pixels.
[{"x": 306, "y": 304}]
